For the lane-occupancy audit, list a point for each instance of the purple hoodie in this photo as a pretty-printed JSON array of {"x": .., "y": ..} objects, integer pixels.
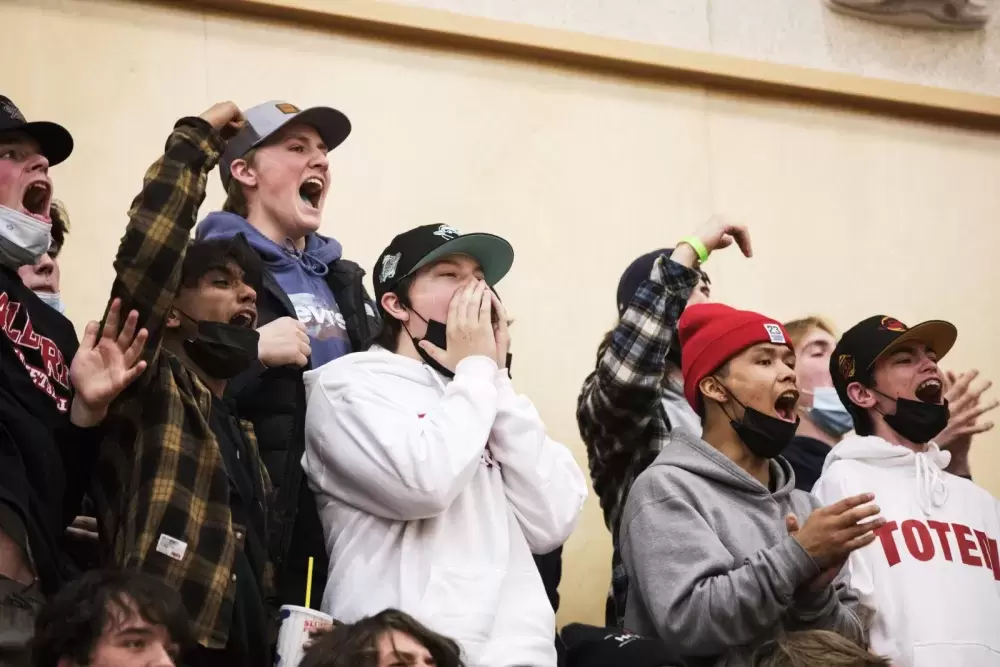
[{"x": 302, "y": 276}]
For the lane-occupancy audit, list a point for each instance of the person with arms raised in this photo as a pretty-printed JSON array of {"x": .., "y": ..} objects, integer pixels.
[
  {"x": 180, "y": 490},
  {"x": 435, "y": 481},
  {"x": 634, "y": 398},
  {"x": 711, "y": 538},
  {"x": 932, "y": 579}
]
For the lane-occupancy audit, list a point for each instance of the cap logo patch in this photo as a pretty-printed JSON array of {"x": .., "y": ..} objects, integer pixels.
[
  {"x": 845, "y": 363},
  {"x": 447, "y": 232},
  {"x": 775, "y": 333},
  {"x": 389, "y": 264},
  {"x": 285, "y": 107},
  {"x": 892, "y": 324},
  {"x": 13, "y": 111}
]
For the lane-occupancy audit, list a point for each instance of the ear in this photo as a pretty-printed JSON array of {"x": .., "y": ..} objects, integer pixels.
[
  {"x": 861, "y": 395},
  {"x": 392, "y": 306},
  {"x": 713, "y": 389},
  {"x": 66, "y": 662},
  {"x": 173, "y": 319},
  {"x": 242, "y": 172}
]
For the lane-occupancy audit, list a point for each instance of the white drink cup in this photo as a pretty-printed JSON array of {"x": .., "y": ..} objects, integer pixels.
[{"x": 296, "y": 625}]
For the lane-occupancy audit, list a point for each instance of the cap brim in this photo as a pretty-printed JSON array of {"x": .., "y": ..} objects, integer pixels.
[
  {"x": 333, "y": 126},
  {"x": 54, "y": 141},
  {"x": 938, "y": 335},
  {"x": 494, "y": 254}
]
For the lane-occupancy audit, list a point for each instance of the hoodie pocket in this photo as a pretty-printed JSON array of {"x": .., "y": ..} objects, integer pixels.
[{"x": 465, "y": 601}]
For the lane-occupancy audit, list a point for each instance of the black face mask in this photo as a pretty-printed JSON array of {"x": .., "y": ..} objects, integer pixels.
[
  {"x": 917, "y": 421},
  {"x": 437, "y": 334},
  {"x": 221, "y": 349},
  {"x": 765, "y": 436}
]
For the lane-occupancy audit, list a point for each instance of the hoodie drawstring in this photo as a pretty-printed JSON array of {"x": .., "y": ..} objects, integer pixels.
[
  {"x": 931, "y": 489},
  {"x": 310, "y": 262}
]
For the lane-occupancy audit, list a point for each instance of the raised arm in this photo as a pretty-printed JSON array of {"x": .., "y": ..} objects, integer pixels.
[
  {"x": 621, "y": 398},
  {"x": 148, "y": 263}
]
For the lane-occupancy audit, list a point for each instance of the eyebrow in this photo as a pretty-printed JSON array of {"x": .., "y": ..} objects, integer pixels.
[
  {"x": 137, "y": 632},
  {"x": 304, "y": 138}
]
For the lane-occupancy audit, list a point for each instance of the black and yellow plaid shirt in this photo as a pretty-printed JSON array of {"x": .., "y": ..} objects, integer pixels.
[{"x": 161, "y": 488}]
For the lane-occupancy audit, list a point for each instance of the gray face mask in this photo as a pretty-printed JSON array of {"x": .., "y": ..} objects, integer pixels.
[
  {"x": 52, "y": 300},
  {"x": 23, "y": 240}
]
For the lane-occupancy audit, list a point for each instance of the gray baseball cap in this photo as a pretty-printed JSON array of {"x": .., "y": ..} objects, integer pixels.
[{"x": 265, "y": 119}]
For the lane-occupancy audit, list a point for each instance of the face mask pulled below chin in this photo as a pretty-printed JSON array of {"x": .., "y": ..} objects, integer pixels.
[
  {"x": 829, "y": 414},
  {"x": 917, "y": 421},
  {"x": 23, "y": 240},
  {"x": 222, "y": 350},
  {"x": 52, "y": 300},
  {"x": 437, "y": 334},
  {"x": 765, "y": 436}
]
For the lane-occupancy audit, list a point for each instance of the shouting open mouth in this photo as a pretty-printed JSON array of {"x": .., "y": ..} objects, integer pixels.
[{"x": 785, "y": 405}]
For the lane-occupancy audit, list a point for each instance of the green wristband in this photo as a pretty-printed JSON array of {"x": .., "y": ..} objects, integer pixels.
[{"x": 698, "y": 247}]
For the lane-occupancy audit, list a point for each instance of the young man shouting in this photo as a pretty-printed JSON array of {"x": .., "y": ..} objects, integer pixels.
[
  {"x": 825, "y": 419},
  {"x": 52, "y": 390},
  {"x": 932, "y": 579},
  {"x": 180, "y": 489},
  {"x": 312, "y": 307},
  {"x": 436, "y": 482},
  {"x": 633, "y": 399},
  {"x": 717, "y": 562}
]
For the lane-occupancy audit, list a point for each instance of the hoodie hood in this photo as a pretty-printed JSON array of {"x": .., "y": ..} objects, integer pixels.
[
  {"x": 319, "y": 253},
  {"x": 691, "y": 453},
  {"x": 927, "y": 467}
]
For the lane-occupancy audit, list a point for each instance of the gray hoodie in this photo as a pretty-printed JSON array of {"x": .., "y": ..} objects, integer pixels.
[{"x": 712, "y": 569}]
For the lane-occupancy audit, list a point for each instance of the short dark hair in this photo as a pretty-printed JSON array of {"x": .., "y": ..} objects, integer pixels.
[
  {"x": 356, "y": 645},
  {"x": 204, "y": 256},
  {"x": 60, "y": 227},
  {"x": 72, "y": 622},
  {"x": 389, "y": 328}
]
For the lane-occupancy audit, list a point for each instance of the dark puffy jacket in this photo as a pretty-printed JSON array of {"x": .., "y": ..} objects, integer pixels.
[{"x": 274, "y": 399}]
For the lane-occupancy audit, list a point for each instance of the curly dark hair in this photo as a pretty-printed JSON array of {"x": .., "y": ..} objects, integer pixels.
[
  {"x": 356, "y": 645},
  {"x": 72, "y": 621}
]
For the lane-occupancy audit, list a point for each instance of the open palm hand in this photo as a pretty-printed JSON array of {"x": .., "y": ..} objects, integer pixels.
[{"x": 103, "y": 367}]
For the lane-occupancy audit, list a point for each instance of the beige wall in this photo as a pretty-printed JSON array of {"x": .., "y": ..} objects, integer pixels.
[
  {"x": 791, "y": 32},
  {"x": 851, "y": 214}
]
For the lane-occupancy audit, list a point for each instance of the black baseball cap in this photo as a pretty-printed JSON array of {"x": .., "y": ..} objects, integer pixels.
[
  {"x": 423, "y": 245},
  {"x": 265, "y": 119},
  {"x": 591, "y": 646},
  {"x": 868, "y": 341},
  {"x": 54, "y": 141}
]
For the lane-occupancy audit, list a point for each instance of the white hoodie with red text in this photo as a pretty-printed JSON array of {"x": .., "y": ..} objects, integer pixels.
[
  {"x": 932, "y": 578},
  {"x": 433, "y": 496}
]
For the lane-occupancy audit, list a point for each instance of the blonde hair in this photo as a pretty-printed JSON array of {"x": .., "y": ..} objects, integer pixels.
[
  {"x": 236, "y": 200},
  {"x": 797, "y": 329},
  {"x": 815, "y": 648}
]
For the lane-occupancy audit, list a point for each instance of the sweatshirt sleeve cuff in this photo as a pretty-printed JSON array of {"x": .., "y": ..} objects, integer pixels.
[
  {"x": 798, "y": 566},
  {"x": 477, "y": 367}
]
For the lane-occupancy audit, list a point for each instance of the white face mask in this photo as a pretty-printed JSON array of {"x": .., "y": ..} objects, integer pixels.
[
  {"x": 52, "y": 300},
  {"x": 23, "y": 240}
]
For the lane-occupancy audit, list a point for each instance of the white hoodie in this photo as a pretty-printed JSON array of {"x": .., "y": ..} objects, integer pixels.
[
  {"x": 932, "y": 578},
  {"x": 434, "y": 495}
]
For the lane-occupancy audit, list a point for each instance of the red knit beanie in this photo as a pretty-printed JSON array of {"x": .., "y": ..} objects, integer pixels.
[{"x": 711, "y": 334}]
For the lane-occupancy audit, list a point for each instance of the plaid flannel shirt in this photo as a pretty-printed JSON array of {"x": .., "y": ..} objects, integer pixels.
[
  {"x": 161, "y": 488},
  {"x": 620, "y": 412}
]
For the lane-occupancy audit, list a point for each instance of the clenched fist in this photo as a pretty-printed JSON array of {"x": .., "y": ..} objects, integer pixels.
[{"x": 284, "y": 342}]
